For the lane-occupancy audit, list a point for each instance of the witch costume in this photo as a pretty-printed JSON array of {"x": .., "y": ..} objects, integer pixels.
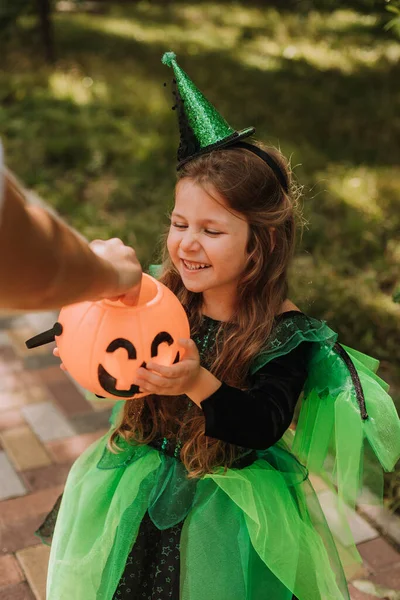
[{"x": 132, "y": 525}]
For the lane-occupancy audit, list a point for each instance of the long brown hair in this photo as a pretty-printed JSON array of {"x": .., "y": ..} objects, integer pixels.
[{"x": 251, "y": 189}]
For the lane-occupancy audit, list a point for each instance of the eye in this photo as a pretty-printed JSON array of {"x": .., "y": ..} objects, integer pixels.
[
  {"x": 208, "y": 231},
  {"x": 179, "y": 225}
]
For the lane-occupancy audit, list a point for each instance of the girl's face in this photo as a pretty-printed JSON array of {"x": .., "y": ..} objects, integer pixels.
[{"x": 207, "y": 240}]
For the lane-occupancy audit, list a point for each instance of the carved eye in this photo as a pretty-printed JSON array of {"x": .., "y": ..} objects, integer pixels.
[
  {"x": 122, "y": 343},
  {"x": 162, "y": 337}
]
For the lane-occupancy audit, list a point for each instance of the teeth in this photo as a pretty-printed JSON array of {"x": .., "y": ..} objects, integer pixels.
[{"x": 194, "y": 266}]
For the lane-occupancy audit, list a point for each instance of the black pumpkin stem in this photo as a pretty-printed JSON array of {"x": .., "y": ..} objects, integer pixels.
[{"x": 44, "y": 338}]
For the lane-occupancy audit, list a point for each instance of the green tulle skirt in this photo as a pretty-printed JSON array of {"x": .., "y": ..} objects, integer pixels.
[
  {"x": 251, "y": 533},
  {"x": 256, "y": 533}
]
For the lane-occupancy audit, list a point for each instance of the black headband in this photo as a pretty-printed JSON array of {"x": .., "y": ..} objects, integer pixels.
[{"x": 266, "y": 158}]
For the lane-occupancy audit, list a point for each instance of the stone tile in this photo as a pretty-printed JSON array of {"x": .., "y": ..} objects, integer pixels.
[
  {"x": 355, "y": 594},
  {"x": 11, "y": 381},
  {"x": 21, "y": 517},
  {"x": 11, "y": 399},
  {"x": 33, "y": 362},
  {"x": 10, "y": 484},
  {"x": 38, "y": 394},
  {"x": 68, "y": 450},
  {"x": 351, "y": 568},
  {"x": 379, "y": 554},
  {"x": 388, "y": 522},
  {"x": 17, "y": 398},
  {"x": 10, "y": 571},
  {"x": 4, "y": 339},
  {"x": 45, "y": 477},
  {"x": 91, "y": 422},
  {"x": 18, "y": 338},
  {"x": 24, "y": 449},
  {"x": 361, "y": 530},
  {"x": 389, "y": 578},
  {"x": 20, "y": 534},
  {"x": 318, "y": 484},
  {"x": 21, "y": 591},
  {"x": 41, "y": 321},
  {"x": 29, "y": 506},
  {"x": 10, "y": 419},
  {"x": 50, "y": 374},
  {"x": 34, "y": 562},
  {"x": 47, "y": 421},
  {"x": 17, "y": 320},
  {"x": 68, "y": 398},
  {"x": 7, "y": 353}
]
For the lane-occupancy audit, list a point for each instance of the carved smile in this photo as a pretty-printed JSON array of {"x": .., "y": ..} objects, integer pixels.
[{"x": 108, "y": 382}]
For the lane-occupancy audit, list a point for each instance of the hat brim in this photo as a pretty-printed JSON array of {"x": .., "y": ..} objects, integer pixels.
[{"x": 228, "y": 141}]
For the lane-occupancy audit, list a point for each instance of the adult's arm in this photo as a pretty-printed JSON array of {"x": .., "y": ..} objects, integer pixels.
[{"x": 45, "y": 264}]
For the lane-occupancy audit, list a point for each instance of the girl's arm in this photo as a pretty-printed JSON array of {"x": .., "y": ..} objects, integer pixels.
[
  {"x": 257, "y": 418},
  {"x": 206, "y": 385}
]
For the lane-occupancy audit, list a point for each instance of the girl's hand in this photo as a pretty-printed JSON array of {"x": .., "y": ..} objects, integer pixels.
[
  {"x": 57, "y": 353},
  {"x": 173, "y": 380}
]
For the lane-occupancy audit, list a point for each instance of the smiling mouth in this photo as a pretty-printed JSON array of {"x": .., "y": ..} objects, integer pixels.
[{"x": 195, "y": 266}]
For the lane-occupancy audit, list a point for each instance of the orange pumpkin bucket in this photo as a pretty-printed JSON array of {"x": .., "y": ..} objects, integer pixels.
[{"x": 103, "y": 343}]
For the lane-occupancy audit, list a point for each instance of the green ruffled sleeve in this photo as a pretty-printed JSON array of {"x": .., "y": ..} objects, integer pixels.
[
  {"x": 289, "y": 333},
  {"x": 155, "y": 271},
  {"x": 348, "y": 431}
]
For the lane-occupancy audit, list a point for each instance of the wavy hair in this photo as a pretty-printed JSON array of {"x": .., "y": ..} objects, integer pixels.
[{"x": 250, "y": 188}]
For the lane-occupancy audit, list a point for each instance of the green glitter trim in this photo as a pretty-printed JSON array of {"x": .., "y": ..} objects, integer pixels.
[{"x": 167, "y": 58}]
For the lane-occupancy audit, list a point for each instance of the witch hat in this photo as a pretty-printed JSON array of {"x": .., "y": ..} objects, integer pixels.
[{"x": 201, "y": 126}]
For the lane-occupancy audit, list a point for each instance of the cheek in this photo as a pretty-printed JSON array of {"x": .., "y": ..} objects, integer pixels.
[{"x": 172, "y": 243}]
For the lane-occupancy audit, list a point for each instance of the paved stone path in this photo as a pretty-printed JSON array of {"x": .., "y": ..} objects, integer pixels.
[{"x": 45, "y": 424}]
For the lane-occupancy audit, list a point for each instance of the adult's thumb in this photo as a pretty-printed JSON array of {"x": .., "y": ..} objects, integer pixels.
[{"x": 131, "y": 297}]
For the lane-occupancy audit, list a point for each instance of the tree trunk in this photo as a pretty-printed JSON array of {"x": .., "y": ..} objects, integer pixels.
[{"x": 46, "y": 29}]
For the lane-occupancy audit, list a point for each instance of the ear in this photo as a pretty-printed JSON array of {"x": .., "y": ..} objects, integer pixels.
[{"x": 272, "y": 234}]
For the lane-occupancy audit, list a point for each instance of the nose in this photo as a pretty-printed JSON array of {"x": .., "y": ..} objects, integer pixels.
[{"x": 189, "y": 241}]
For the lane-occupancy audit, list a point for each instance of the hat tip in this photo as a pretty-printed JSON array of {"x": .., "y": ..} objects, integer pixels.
[{"x": 168, "y": 58}]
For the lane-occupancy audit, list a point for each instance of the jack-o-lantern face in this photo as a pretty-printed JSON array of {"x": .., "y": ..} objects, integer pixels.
[
  {"x": 109, "y": 383},
  {"x": 102, "y": 344}
]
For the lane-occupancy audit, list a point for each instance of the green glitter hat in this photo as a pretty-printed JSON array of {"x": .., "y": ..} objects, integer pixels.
[{"x": 202, "y": 128}]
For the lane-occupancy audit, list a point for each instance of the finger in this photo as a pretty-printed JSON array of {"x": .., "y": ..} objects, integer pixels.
[
  {"x": 172, "y": 372},
  {"x": 131, "y": 298},
  {"x": 153, "y": 379},
  {"x": 189, "y": 347},
  {"x": 62, "y": 367},
  {"x": 148, "y": 388},
  {"x": 56, "y": 352}
]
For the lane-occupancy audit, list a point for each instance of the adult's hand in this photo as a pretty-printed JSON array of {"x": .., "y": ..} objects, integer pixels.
[{"x": 128, "y": 271}]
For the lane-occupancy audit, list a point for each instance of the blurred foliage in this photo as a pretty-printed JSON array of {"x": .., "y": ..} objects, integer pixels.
[
  {"x": 12, "y": 10},
  {"x": 394, "y": 23},
  {"x": 95, "y": 135}
]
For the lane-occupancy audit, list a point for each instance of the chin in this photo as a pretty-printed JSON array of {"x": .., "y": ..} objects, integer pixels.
[{"x": 192, "y": 287}]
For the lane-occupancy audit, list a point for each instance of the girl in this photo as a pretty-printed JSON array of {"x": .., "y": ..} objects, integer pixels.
[{"x": 196, "y": 492}]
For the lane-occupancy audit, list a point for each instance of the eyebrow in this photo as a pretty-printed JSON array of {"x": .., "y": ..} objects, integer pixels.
[{"x": 174, "y": 214}]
